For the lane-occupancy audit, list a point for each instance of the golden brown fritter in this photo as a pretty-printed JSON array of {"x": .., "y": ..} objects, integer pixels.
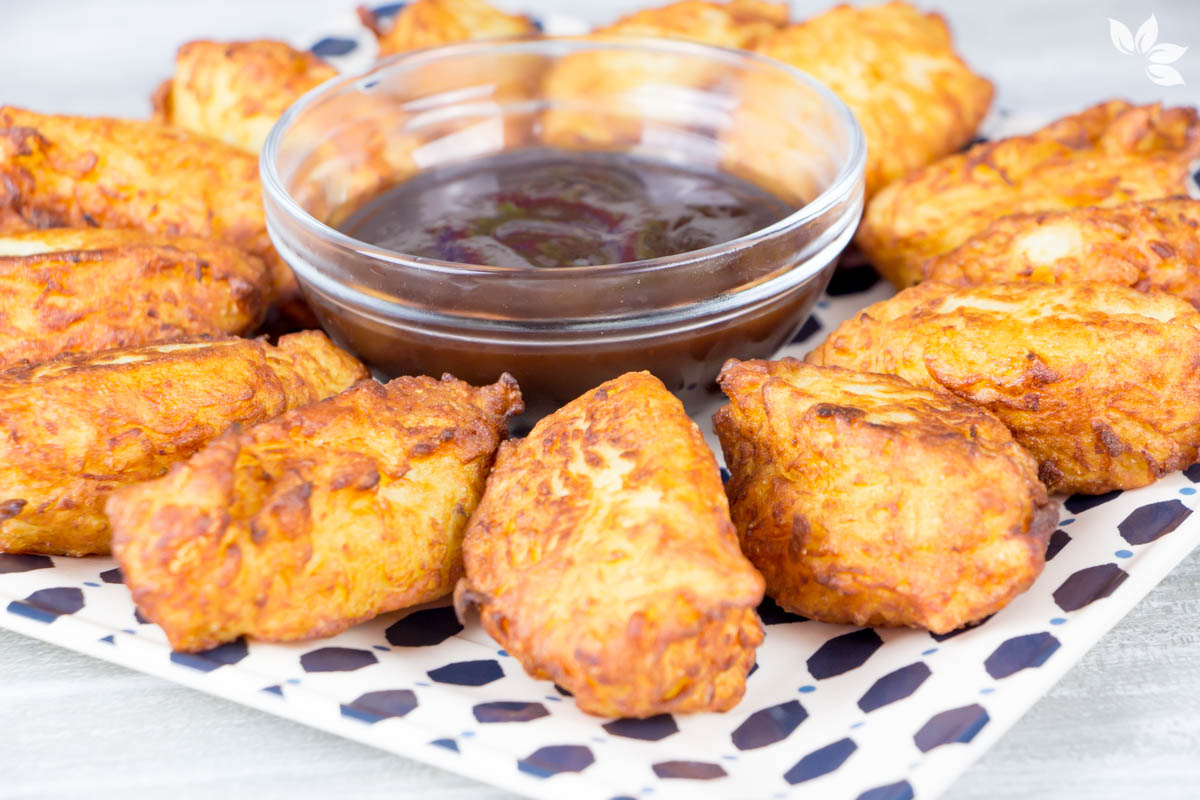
[
  {"x": 794, "y": 155},
  {"x": 359, "y": 144},
  {"x": 314, "y": 521},
  {"x": 428, "y": 23},
  {"x": 235, "y": 91},
  {"x": 1149, "y": 246},
  {"x": 896, "y": 68},
  {"x": 739, "y": 24},
  {"x": 619, "y": 88},
  {"x": 385, "y": 136},
  {"x": 1107, "y": 155},
  {"x": 1100, "y": 382},
  {"x": 865, "y": 500},
  {"x": 602, "y": 557},
  {"x": 79, "y": 172},
  {"x": 80, "y": 290},
  {"x": 74, "y": 429}
]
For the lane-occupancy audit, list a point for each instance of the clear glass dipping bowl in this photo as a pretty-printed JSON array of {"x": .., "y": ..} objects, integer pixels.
[{"x": 563, "y": 331}]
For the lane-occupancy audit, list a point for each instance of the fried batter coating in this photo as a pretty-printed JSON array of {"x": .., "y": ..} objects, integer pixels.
[
  {"x": 1149, "y": 246},
  {"x": 416, "y": 138},
  {"x": 360, "y": 145},
  {"x": 602, "y": 557},
  {"x": 309, "y": 523},
  {"x": 866, "y": 500},
  {"x": 428, "y": 23},
  {"x": 235, "y": 91},
  {"x": 79, "y": 172},
  {"x": 737, "y": 23},
  {"x": 621, "y": 89},
  {"x": 74, "y": 429},
  {"x": 896, "y": 68},
  {"x": 81, "y": 290},
  {"x": 1107, "y": 155},
  {"x": 1100, "y": 382}
]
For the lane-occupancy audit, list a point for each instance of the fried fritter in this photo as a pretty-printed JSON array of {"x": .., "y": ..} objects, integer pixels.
[
  {"x": 602, "y": 557},
  {"x": 865, "y": 500},
  {"x": 1150, "y": 246},
  {"x": 386, "y": 138},
  {"x": 739, "y": 24},
  {"x": 621, "y": 89},
  {"x": 74, "y": 429},
  {"x": 360, "y": 144},
  {"x": 896, "y": 68},
  {"x": 1100, "y": 382},
  {"x": 80, "y": 290},
  {"x": 314, "y": 521},
  {"x": 235, "y": 91},
  {"x": 1107, "y": 155},
  {"x": 428, "y": 23},
  {"x": 794, "y": 155},
  {"x": 78, "y": 172}
]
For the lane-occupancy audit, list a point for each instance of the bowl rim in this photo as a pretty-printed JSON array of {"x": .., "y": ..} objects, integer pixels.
[{"x": 839, "y": 189}]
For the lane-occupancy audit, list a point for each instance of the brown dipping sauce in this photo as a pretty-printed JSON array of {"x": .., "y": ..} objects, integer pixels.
[{"x": 549, "y": 208}]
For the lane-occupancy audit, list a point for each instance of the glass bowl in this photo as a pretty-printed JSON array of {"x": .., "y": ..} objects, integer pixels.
[{"x": 562, "y": 331}]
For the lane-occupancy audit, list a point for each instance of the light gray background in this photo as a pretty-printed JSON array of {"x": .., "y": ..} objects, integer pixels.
[{"x": 1125, "y": 722}]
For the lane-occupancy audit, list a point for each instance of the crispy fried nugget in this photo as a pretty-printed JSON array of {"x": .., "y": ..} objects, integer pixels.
[
  {"x": 602, "y": 557},
  {"x": 358, "y": 144},
  {"x": 80, "y": 290},
  {"x": 74, "y": 429},
  {"x": 77, "y": 172},
  {"x": 418, "y": 138},
  {"x": 428, "y": 23},
  {"x": 739, "y": 24},
  {"x": 235, "y": 91},
  {"x": 1150, "y": 246},
  {"x": 866, "y": 500},
  {"x": 896, "y": 68},
  {"x": 1107, "y": 155},
  {"x": 1100, "y": 382},
  {"x": 619, "y": 90},
  {"x": 314, "y": 521}
]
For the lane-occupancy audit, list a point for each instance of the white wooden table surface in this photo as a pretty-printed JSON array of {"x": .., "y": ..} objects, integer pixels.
[{"x": 1125, "y": 722}]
